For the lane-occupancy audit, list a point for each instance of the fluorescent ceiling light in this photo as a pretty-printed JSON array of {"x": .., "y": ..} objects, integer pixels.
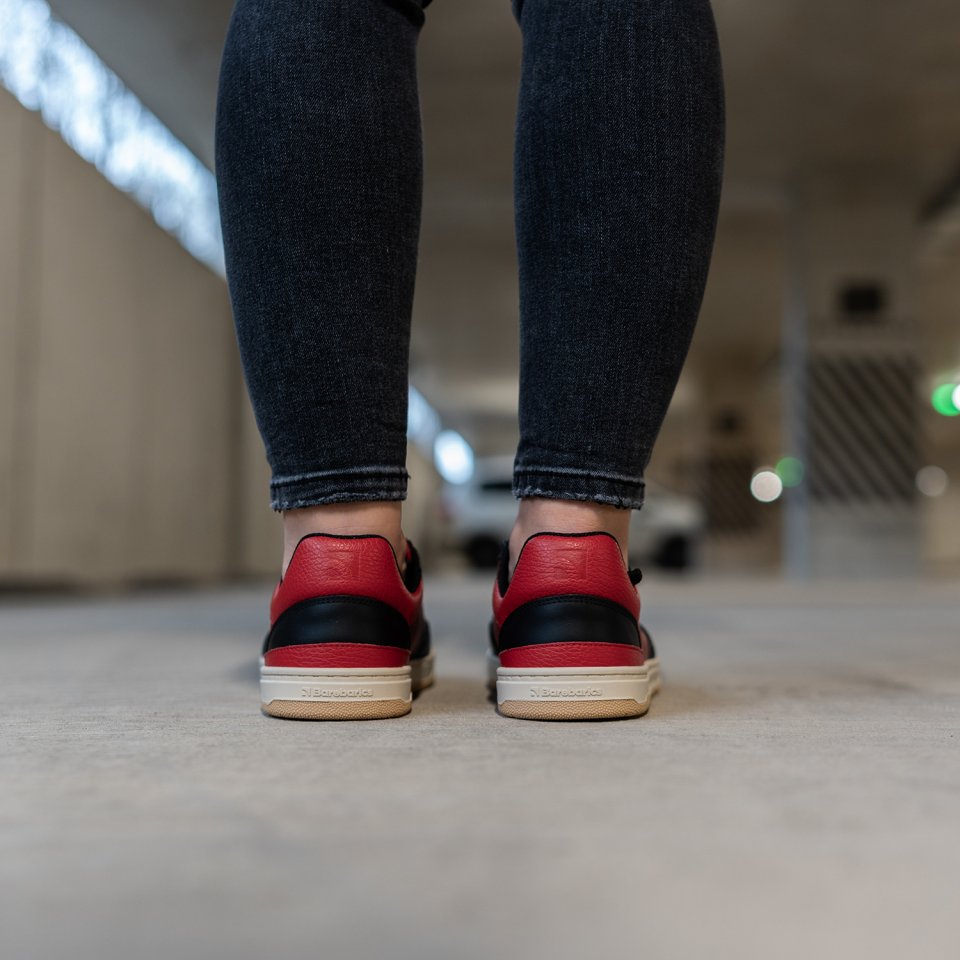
[{"x": 48, "y": 68}]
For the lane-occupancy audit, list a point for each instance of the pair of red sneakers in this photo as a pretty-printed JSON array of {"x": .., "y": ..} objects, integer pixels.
[{"x": 348, "y": 638}]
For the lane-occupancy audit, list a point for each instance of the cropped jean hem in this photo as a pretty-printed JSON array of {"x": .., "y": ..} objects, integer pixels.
[
  {"x": 338, "y": 486},
  {"x": 615, "y": 490}
]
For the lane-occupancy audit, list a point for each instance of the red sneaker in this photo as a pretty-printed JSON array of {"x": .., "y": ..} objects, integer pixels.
[
  {"x": 567, "y": 643},
  {"x": 347, "y": 638}
]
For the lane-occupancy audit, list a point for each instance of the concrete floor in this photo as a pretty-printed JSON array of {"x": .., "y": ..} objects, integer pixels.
[{"x": 795, "y": 791}]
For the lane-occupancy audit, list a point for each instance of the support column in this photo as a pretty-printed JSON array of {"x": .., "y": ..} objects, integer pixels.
[{"x": 850, "y": 370}]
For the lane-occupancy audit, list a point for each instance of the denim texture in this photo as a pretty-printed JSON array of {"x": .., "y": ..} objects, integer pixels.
[{"x": 618, "y": 167}]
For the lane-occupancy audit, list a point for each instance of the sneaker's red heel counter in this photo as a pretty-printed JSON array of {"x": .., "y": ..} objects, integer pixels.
[
  {"x": 360, "y": 566},
  {"x": 342, "y": 604},
  {"x": 558, "y": 564},
  {"x": 569, "y": 603}
]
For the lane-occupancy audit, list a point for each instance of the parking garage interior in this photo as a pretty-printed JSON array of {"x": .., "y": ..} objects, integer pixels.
[{"x": 791, "y": 793}]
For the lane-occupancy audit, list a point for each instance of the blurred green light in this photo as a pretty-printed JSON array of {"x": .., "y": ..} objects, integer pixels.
[
  {"x": 790, "y": 471},
  {"x": 942, "y": 400}
]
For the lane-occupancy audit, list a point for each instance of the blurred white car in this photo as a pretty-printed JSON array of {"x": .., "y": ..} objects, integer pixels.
[{"x": 478, "y": 516}]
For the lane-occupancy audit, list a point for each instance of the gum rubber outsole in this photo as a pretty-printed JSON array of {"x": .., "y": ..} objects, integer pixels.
[
  {"x": 336, "y": 710},
  {"x": 572, "y": 709}
]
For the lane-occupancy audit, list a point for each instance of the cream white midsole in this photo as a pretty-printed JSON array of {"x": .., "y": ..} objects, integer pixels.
[
  {"x": 335, "y": 684},
  {"x": 574, "y": 683}
]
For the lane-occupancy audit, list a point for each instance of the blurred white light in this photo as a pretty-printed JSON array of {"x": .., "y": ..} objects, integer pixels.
[
  {"x": 955, "y": 397},
  {"x": 49, "y": 68},
  {"x": 932, "y": 481},
  {"x": 766, "y": 486},
  {"x": 453, "y": 457},
  {"x": 423, "y": 422}
]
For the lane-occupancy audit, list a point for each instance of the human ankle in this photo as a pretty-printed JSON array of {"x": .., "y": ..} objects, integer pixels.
[
  {"x": 539, "y": 515},
  {"x": 382, "y": 517}
]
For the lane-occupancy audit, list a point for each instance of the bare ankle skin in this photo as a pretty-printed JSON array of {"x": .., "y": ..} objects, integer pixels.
[
  {"x": 380, "y": 516},
  {"x": 537, "y": 515}
]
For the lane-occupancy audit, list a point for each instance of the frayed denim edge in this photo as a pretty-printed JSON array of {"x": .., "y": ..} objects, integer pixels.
[
  {"x": 338, "y": 486},
  {"x": 346, "y": 496},
  {"x": 624, "y": 502}
]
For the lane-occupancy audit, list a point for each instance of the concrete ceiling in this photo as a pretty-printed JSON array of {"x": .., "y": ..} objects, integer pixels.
[
  {"x": 811, "y": 84},
  {"x": 844, "y": 92}
]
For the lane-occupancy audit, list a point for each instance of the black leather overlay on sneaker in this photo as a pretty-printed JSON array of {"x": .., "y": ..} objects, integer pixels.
[
  {"x": 653, "y": 651},
  {"x": 503, "y": 567},
  {"x": 412, "y": 572},
  {"x": 420, "y": 642},
  {"x": 340, "y": 619},
  {"x": 571, "y": 618}
]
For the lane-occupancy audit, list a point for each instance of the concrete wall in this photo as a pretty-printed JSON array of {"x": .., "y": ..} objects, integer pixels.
[{"x": 119, "y": 429}]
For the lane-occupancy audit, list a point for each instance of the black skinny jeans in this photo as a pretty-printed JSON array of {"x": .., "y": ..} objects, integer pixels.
[{"x": 617, "y": 181}]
